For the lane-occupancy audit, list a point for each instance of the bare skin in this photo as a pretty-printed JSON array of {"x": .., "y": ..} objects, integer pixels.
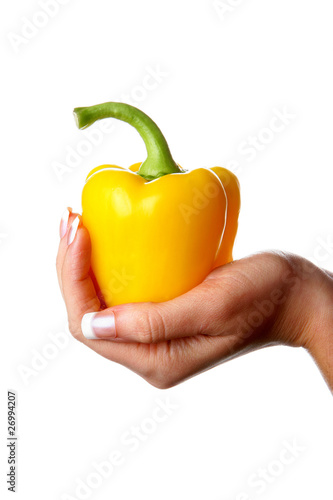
[{"x": 266, "y": 299}]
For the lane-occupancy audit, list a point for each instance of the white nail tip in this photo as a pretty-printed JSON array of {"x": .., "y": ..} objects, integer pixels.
[
  {"x": 64, "y": 221},
  {"x": 65, "y": 216},
  {"x": 86, "y": 326},
  {"x": 73, "y": 230}
]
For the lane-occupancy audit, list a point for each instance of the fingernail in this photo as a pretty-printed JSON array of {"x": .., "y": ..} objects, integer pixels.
[
  {"x": 64, "y": 221},
  {"x": 98, "y": 325},
  {"x": 73, "y": 230}
]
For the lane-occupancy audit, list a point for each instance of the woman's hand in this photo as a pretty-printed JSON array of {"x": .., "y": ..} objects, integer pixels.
[{"x": 266, "y": 299}]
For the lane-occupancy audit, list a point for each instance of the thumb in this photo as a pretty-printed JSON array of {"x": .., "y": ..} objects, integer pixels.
[
  {"x": 148, "y": 322},
  {"x": 78, "y": 286}
]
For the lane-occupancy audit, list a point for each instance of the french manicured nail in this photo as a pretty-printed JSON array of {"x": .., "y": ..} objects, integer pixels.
[
  {"x": 73, "y": 230},
  {"x": 64, "y": 221},
  {"x": 98, "y": 325}
]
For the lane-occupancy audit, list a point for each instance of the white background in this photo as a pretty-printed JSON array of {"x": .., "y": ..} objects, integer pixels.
[{"x": 221, "y": 78}]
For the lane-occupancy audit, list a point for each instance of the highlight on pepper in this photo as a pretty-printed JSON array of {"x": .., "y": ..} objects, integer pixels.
[{"x": 156, "y": 229}]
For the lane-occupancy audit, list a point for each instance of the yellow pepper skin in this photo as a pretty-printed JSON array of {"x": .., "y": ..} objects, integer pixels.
[
  {"x": 232, "y": 190},
  {"x": 155, "y": 238}
]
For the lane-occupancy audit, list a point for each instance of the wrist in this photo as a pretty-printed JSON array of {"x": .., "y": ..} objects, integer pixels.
[{"x": 311, "y": 314}]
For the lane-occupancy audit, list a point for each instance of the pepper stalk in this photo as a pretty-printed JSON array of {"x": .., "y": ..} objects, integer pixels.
[{"x": 159, "y": 161}]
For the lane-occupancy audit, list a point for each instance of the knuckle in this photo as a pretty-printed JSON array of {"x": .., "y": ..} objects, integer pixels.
[
  {"x": 284, "y": 262},
  {"x": 163, "y": 371},
  {"x": 143, "y": 329},
  {"x": 289, "y": 269},
  {"x": 161, "y": 379},
  {"x": 162, "y": 384},
  {"x": 151, "y": 327}
]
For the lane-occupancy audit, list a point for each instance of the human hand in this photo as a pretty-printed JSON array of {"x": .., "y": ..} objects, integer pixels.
[{"x": 265, "y": 299}]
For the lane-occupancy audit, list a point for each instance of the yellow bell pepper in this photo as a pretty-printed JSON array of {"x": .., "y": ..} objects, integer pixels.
[{"x": 156, "y": 230}]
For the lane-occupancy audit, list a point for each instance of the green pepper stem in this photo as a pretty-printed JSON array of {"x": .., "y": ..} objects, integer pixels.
[{"x": 159, "y": 160}]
